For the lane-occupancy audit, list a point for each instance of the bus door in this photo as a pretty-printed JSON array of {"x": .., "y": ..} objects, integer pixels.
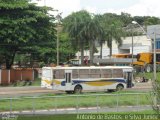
[
  {"x": 128, "y": 77},
  {"x": 68, "y": 79}
]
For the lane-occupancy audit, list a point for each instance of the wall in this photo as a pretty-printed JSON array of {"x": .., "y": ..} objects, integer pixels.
[{"x": 10, "y": 76}]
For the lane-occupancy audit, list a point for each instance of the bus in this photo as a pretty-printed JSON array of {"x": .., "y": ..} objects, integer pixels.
[{"x": 94, "y": 78}]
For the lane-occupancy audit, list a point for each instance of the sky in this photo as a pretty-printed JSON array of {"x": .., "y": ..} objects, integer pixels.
[{"x": 133, "y": 7}]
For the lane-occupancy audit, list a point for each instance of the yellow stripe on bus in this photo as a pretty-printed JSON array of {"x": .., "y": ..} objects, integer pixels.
[
  {"x": 47, "y": 81},
  {"x": 54, "y": 81},
  {"x": 57, "y": 82},
  {"x": 99, "y": 83}
]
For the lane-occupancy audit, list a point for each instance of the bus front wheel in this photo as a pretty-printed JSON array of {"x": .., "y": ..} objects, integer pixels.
[
  {"x": 78, "y": 89},
  {"x": 119, "y": 87}
]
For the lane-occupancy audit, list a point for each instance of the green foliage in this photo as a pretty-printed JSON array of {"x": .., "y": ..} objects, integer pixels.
[
  {"x": 26, "y": 29},
  {"x": 112, "y": 30},
  {"x": 89, "y": 100},
  {"x": 66, "y": 50},
  {"x": 76, "y": 26}
]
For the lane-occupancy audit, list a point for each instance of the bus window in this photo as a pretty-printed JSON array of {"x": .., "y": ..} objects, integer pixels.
[
  {"x": 106, "y": 73},
  {"x": 84, "y": 73},
  {"x": 75, "y": 74},
  {"x": 95, "y": 73},
  {"x": 117, "y": 73},
  {"x": 59, "y": 74}
]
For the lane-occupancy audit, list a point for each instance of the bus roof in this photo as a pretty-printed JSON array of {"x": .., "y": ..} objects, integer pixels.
[{"x": 90, "y": 67}]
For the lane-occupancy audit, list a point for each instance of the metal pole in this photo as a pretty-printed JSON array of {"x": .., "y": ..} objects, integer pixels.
[
  {"x": 138, "y": 105},
  {"x": 154, "y": 58},
  {"x": 33, "y": 105},
  {"x": 154, "y": 71},
  {"x": 10, "y": 105},
  {"x": 132, "y": 46},
  {"x": 44, "y": 2},
  {"x": 97, "y": 103},
  {"x": 77, "y": 106},
  {"x": 58, "y": 45},
  {"x": 117, "y": 101},
  {"x": 55, "y": 102}
]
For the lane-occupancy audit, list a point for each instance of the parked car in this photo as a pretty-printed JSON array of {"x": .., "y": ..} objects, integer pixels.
[{"x": 73, "y": 62}]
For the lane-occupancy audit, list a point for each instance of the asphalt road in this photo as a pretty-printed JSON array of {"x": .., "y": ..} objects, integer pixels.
[
  {"x": 24, "y": 91},
  {"x": 37, "y": 90}
]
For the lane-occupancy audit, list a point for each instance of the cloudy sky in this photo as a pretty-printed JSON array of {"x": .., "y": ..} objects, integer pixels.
[{"x": 134, "y": 7}]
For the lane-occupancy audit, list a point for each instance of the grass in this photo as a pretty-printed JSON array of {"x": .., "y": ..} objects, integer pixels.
[
  {"x": 65, "y": 101},
  {"x": 148, "y": 75},
  {"x": 77, "y": 116}
]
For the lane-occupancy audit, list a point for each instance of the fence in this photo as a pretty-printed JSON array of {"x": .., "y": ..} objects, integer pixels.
[
  {"x": 76, "y": 103},
  {"x": 13, "y": 75}
]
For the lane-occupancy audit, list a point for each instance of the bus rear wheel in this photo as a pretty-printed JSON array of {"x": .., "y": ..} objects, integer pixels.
[
  {"x": 119, "y": 87},
  {"x": 78, "y": 89}
]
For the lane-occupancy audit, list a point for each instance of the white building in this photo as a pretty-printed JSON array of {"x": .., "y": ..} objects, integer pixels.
[{"x": 140, "y": 44}]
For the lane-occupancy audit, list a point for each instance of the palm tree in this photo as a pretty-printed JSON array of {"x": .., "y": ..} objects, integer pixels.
[
  {"x": 74, "y": 24},
  {"x": 113, "y": 30},
  {"x": 93, "y": 31}
]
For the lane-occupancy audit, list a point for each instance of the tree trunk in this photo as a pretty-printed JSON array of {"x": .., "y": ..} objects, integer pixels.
[
  {"x": 110, "y": 47},
  {"x": 101, "y": 45},
  {"x": 82, "y": 53},
  {"x": 91, "y": 52},
  {"x": 9, "y": 58}
]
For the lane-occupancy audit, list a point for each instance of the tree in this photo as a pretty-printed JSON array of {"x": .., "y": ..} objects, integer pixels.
[
  {"x": 75, "y": 24},
  {"x": 27, "y": 28},
  {"x": 66, "y": 50},
  {"x": 125, "y": 18},
  {"x": 152, "y": 21},
  {"x": 113, "y": 30},
  {"x": 93, "y": 32}
]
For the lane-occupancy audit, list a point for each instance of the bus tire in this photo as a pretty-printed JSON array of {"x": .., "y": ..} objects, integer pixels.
[
  {"x": 78, "y": 89},
  {"x": 119, "y": 87}
]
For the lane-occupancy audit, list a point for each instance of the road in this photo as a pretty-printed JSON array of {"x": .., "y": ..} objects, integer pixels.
[
  {"x": 24, "y": 91},
  {"x": 37, "y": 90}
]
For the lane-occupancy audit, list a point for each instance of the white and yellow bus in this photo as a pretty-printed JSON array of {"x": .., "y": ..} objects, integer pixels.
[{"x": 76, "y": 79}]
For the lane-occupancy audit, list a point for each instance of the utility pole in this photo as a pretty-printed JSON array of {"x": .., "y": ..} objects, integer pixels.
[
  {"x": 154, "y": 60},
  {"x": 44, "y": 2},
  {"x": 57, "y": 44},
  {"x": 132, "y": 45},
  {"x": 59, "y": 18}
]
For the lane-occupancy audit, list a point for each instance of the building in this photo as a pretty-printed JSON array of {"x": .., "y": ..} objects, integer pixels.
[
  {"x": 142, "y": 43},
  {"x": 150, "y": 32}
]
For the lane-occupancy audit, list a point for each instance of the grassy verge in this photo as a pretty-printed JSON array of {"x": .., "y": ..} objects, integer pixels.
[
  {"x": 65, "y": 101},
  {"x": 148, "y": 75},
  {"x": 91, "y": 116}
]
